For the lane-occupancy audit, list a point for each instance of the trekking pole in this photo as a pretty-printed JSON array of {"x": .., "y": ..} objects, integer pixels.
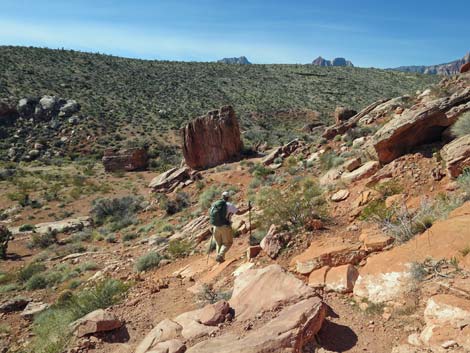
[
  {"x": 209, "y": 247},
  {"x": 249, "y": 215}
]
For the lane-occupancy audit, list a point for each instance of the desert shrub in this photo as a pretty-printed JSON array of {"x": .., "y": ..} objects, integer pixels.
[
  {"x": 130, "y": 236},
  {"x": 418, "y": 271},
  {"x": 464, "y": 183},
  {"x": 376, "y": 211},
  {"x": 179, "y": 248},
  {"x": 389, "y": 188},
  {"x": 37, "y": 281},
  {"x": 462, "y": 125},
  {"x": 51, "y": 327},
  {"x": 403, "y": 225},
  {"x": 5, "y": 236},
  {"x": 25, "y": 273},
  {"x": 88, "y": 266},
  {"x": 208, "y": 196},
  {"x": 176, "y": 204},
  {"x": 10, "y": 287},
  {"x": 208, "y": 295},
  {"x": 26, "y": 228},
  {"x": 260, "y": 171},
  {"x": 329, "y": 160},
  {"x": 148, "y": 261},
  {"x": 296, "y": 205},
  {"x": 44, "y": 240},
  {"x": 117, "y": 212}
]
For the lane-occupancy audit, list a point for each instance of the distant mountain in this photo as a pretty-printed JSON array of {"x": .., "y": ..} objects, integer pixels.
[
  {"x": 335, "y": 62},
  {"x": 242, "y": 60},
  {"x": 447, "y": 69}
]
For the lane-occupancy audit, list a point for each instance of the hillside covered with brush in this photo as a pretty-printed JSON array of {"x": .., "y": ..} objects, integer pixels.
[{"x": 128, "y": 99}]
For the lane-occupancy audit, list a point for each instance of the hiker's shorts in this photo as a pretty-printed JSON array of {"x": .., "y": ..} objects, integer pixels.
[{"x": 223, "y": 237}]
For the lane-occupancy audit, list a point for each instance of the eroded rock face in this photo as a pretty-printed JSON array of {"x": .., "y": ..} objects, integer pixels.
[
  {"x": 125, "y": 160},
  {"x": 212, "y": 139},
  {"x": 457, "y": 155},
  {"x": 387, "y": 275},
  {"x": 399, "y": 136}
]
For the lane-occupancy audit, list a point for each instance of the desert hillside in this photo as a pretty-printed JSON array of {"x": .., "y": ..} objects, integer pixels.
[
  {"x": 357, "y": 239},
  {"x": 129, "y": 101}
]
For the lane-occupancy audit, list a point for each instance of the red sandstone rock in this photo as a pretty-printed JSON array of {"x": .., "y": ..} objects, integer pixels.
[
  {"x": 125, "y": 160},
  {"x": 212, "y": 139},
  {"x": 214, "y": 314},
  {"x": 96, "y": 321},
  {"x": 457, "y": 155},
  {"x": 400, "y": 135},
  {"x": 273, "y": 242},
  {"x": 465, "y": 68}
]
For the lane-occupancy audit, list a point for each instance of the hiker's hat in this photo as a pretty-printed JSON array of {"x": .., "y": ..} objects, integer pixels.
[{"x": 225, "y": 194}]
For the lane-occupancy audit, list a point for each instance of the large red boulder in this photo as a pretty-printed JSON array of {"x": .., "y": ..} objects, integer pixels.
[
  {"x": 465, "y": 68},
  {"x": 212, "y": 139},
  {"x": 125, "y": 160}
]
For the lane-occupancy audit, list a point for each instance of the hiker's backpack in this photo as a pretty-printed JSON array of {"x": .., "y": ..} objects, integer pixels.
[{"x": 218, "y": 213}]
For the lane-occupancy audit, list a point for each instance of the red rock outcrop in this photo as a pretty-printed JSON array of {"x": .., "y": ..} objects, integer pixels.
[
  {"x": 465, "y": 68},
  {"x": 212, "y": 139},
  {"x": 125, "y": 160},
  {"x": 387, "y": 275},
  {"x": 457, "y": 155},
  {"x": 344, "y": 126},
  {"x": 419, "y": 125}
]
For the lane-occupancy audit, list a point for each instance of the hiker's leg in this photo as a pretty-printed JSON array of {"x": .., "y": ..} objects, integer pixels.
[
  {"x": 217, "y": 239},
  {"x": 227, "y": 240}
]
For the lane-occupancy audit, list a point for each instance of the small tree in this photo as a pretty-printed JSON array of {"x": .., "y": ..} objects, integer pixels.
[{"x": 5, "y": 236}]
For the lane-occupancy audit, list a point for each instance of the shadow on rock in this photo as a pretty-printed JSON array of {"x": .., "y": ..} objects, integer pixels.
[
  {"x": 120, "y": 335},
  {"x": 336, "y": 338}
]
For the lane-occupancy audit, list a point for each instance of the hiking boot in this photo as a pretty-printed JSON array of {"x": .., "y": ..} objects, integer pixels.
[{"x": 219, "y": 259}]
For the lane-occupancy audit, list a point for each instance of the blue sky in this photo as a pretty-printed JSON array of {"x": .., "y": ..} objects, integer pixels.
[{"x": 369, "y": 33}]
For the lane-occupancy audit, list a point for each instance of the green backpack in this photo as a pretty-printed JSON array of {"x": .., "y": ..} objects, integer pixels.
[{"x": 218, "y": 213}]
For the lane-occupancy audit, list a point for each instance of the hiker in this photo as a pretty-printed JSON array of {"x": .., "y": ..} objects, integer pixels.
[{"x": 220, "y": 214}]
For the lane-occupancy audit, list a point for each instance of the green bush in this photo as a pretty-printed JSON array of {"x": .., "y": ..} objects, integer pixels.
[
  {"x": 295, "y": 206},
  {"x": 179, "y": 248},
  {"x": 118, "y": 212},
  {"x": 37, "y": 281},
  {"x": 464, "y": 183},
  {"x": 25, "y": 273},
  {"x": 176, "y": 204},
  {"x": 389, "y": 188},
  {"x": 260, "y": 171},
  {"x": 462, "y": 125},
  {"x": 208, "y": 196},
  {"x": 5, "y": 236},
  {"x": 45, "y": 240},
  {"x": 52, "y": 327},
  {"x": 329, "y": 160},
  {"x": 26, "y": 228},
  {"x": 147, "y": 261}
]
